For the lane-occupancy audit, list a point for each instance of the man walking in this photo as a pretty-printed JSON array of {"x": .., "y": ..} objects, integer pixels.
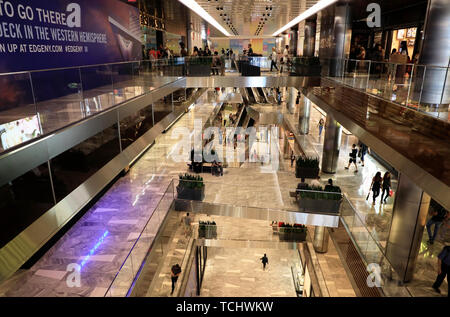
[
  {"x": 187, "y": 220},
  {"x": 437, "y": 219},
  {"x": 175, "y": 272},
  {"x": 273, "y": 59},
  {"x": 264, "y": 261},
  {"x": 443, "y": 269}
]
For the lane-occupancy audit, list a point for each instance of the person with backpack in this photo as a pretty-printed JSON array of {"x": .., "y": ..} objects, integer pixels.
[
  {"x": 175, "y": 272},
  {"x": 443, "y": 269},
  {"x": 265, "y": 261},
  {"x": 438, "y": 217}
]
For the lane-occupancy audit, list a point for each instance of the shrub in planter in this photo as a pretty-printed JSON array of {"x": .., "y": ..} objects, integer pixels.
[
  {"x": 307, "y": 66},
  {"x": 207, "y": 229},
  {"x": 307, "y": 167},
  {"x": 190, "y": 187},
  {"x": 295, "y": 232},
  {"x": 316, "y": 199}
]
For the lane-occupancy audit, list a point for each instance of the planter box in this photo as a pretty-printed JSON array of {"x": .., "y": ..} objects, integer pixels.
[
  {"x": 190, "y": 193},
  {"x": 184, "y": 194},
  {"x": 307, "y": 172},
  {"x": 199, "y": 70},
  {"x": 295, "y": 235},
  {"x": 307, "y": 70},
  {"x": 207, "y": 232},
  {"x": 320, "y": 205}
]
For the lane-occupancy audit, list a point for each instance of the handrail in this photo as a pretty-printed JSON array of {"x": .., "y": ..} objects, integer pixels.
[{"x": 139, "y": 237}]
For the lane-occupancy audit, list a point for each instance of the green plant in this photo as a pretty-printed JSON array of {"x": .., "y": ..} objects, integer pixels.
[
  {"x": 191, "y": 181},
  {"x": 307, "y": 162},
  {"x": 316, "y": 192}
]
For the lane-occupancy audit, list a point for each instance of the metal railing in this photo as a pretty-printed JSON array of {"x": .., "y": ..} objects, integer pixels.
[
  {"x": 125, "y": 277},
  {"x": 425, "y": 88},
  {"x": 371, "y": 252}
]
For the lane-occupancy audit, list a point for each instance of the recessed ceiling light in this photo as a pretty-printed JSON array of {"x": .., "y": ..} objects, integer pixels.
[
  {"x": 322, "y": 4},
  {"x": 194, "y": 6}
]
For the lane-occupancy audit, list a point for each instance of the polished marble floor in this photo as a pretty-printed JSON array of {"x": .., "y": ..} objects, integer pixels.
[
  {"x": 377, "y": 218},
  {"x": 105, "y": 234}
]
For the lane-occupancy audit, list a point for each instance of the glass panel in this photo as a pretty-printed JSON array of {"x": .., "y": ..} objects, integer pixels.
[
  {"x": 162, "y": 108},
  {"x": 24, "y": 200},
  {"x": 97, "y": 88},
  {"x": 71, "y": 168},
  {"x": 59, "y": 98},
  {"x": 18, "y": 119},
  {"x": 134, "y": 126}
]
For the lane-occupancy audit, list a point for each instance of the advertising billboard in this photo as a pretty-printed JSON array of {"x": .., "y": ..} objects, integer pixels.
[{"x": 53, "y": 34}]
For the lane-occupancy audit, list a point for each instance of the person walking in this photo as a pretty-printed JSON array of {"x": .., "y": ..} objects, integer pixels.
[
  {"x": 320, "y": 125},
  {"x": 187, "y": 220},
  {"x": 273, "y": 59},
  {"x": 375, "y": 186},
  {"x": 175, "y": 272},
  {"x": 352, "y": 159},
  {"x": 438, "y": 217},
  {"x": 285, "y": 58},
  {"x": 386, "y": 187},
  {"x": 265, "y": 261},
  {"x": 292, "y": 159},
  {"x": 443, "y": 269},
  {"x": 363, "y": 149}
]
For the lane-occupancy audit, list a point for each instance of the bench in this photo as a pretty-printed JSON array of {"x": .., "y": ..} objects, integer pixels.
[{"x": 294, "y": 194}]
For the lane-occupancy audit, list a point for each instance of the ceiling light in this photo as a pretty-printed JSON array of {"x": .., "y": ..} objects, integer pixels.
[
  {"x": 322, "y": 4},
  {"x": 194, "y": 6}
]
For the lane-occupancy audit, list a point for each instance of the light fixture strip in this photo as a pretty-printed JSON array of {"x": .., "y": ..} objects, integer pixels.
[
  {"x": 194, "y": 6},
  {"x": 322, "y": 4}
]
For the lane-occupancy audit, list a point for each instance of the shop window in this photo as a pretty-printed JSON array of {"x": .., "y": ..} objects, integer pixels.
[
  {"x": 73, "y": 167},
  {"x": 24, "y": 200},
  {"x": 135, "y": 126}
]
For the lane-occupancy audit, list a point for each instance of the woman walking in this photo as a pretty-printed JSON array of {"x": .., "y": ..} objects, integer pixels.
[
  {"x": 386, "y": 186},
  {"x": 376, "y": 185}
]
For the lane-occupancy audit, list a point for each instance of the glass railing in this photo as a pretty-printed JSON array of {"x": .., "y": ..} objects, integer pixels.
[
  {"x": 131, "y": 265},
  {"x": 271, "y": 198},
  {"x": 372, "y": 253},
  {"x": 36, "y": 103},
  {"x": 177, "y": 242},
  {"x": 425, "y": 88}
]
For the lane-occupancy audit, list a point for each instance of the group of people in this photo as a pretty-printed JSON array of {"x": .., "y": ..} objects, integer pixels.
[
  {"x": 279, "y": 58},
  {"x": 354, "y": 153},
  {"x": 382, "y": 184}
]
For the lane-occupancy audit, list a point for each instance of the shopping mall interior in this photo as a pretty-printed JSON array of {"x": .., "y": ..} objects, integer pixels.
[{"x": 225, "y": 148}]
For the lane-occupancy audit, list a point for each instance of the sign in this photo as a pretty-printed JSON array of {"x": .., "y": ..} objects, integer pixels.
[{"x": 52, "y": 34}]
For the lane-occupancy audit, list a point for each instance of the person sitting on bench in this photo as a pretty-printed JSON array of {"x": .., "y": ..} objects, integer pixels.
[
  {"x": 302, "y": 185},
  {"x": 217, "y": 168}
]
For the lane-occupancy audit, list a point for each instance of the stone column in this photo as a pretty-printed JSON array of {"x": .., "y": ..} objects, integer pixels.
[
  {"x": 321, "y": 238},
  {"x": 331, "y": 145},
  {"x": 408, "y": 222},
  {"x": 304, "y": 115},
  {"x": 435, "y": 88},
  {"x": 310, "y": 36},
  {"x": 292, "y": 96}
]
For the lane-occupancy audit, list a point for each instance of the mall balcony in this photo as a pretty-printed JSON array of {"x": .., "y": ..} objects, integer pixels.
[{"x": 88, "y": 173}]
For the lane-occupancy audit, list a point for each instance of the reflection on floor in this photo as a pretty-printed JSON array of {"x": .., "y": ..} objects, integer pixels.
[
  {"x": 112, "y": 224},
  {"x": 377, "y": 218},
  {"x": 239, "y": 273}
]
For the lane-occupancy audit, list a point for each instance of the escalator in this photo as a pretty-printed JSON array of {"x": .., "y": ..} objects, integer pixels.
[
  {"x": 251, "y": 96},
  {"x": 262, "y": 95},
  {"x": 257, "y": 96}
]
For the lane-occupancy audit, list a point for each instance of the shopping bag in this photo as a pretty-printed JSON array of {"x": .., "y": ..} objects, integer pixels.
[{"x": 391, "y": 193}]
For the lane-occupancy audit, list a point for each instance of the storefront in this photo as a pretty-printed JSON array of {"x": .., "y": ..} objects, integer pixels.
[{"x": 408, "y": 36}]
